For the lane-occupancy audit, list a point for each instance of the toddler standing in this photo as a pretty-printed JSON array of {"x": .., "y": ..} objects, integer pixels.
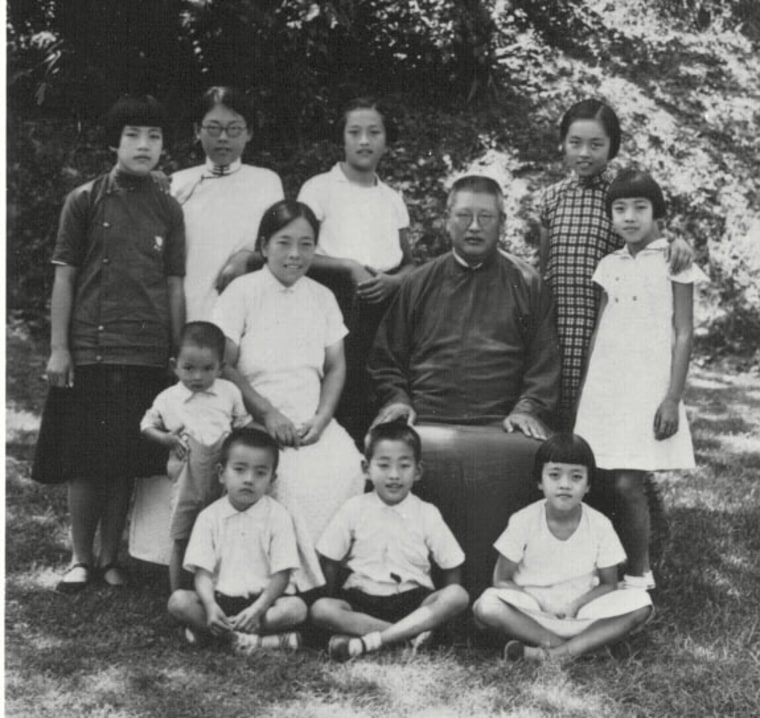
[
  {"x": 191, "y": 419},
  {"x": 223, "y": 199},
  {"x": 116, "y": 309},
  {"x": 576, "y": 234},
  {"x": 630, "y": 409},
  {"x": 363, "y": 251}
]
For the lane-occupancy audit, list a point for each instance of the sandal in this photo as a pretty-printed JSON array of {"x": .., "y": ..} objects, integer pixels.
[
  {"x": 64, "y": 586},
  {"x": 114, "y": 575}
]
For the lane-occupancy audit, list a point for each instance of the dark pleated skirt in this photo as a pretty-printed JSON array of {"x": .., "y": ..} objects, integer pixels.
[
  {"x": 92, "y": 431},
  {"x": 477, "y": 476}
]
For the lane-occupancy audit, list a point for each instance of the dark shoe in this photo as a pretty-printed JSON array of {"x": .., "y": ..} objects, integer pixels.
[
  {"x": 514, "y": 651},
  {"x": 114, "y": 575},
  {"x": 65, "y": 586},
  {"x": 337, "y": 648}
]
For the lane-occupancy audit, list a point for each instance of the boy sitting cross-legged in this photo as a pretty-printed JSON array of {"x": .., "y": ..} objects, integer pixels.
[
  {"x": 386, "y": 538},
  {"x": 242, "y": 551}
]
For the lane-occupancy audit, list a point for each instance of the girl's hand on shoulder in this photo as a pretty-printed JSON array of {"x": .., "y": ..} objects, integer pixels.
[
  {"x": 60, "y": 369},
  {"x": 666, "y": 419},
  {"x": 235, "y": 267},
  {"x": 311, "y": 431},
  {"x": 378, "y": 288},
  {"x": 680, "y": 255},
  {"x": 217, "y": 621},
  {"x": 281, "y": 428}
]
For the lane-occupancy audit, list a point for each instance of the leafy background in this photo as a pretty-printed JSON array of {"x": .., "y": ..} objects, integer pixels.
[{"x": 475, "y": 84}]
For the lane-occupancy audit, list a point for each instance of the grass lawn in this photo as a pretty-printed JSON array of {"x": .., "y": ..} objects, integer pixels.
[{"x": 110, "y": 653}]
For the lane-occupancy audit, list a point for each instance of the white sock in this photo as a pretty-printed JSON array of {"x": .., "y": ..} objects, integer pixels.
[{"x": 372, "y": 641}]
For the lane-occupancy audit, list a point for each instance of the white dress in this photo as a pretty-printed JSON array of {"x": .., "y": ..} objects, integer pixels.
[
  {"x": 553, "y": 572},
  {"x": 629, "y": 369},
  {"x": 282, "y": 334},
  {"x": 222, "y": 216}
]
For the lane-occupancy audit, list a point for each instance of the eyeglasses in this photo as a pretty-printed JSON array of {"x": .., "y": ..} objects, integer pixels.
[
  {"x": 232, "y": 131},
  {"x": 486, "y": 220}
]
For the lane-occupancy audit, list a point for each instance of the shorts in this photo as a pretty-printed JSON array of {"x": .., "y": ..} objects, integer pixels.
[
  {"x": 232, "y": 605},
  {"x": 387, "y": 608},
  {"x": 92, "y": 430}
]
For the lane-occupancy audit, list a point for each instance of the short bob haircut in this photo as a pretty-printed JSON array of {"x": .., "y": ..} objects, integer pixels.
[
  {"x": 564, "y": 448},
  {"x": 478, "y": 184},
  {"x": 393, "y": 431},
  {"x": 593, "y": 110},
  {"x": 632, "y": 182},
  {"x": 367, "y": 103},
  {"x": 143, "y": 111},
  {"x": 232, "y": 98},
  {"x": 204, "y": 335},
  {"x": 281, "y": 214},
  {"x": 252, "y": 438}
]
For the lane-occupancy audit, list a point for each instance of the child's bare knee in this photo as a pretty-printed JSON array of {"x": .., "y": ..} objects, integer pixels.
[
  {"x": 456, "y": 596},
  {"x": 486, "y": 608},
  {"x": 296, "y": 610},
  {"x": 179, "y": 602},
  {"x": 629, "y": 486},
  {"x": 321, "y": 610}
]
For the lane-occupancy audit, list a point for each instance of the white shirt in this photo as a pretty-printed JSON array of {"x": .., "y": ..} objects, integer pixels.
[
  {"x": 545, "y": 560},
  {"x": 222, "y": 216},
  {"x": 282, "y": 333},
  {"x": 357, "y": 222},
  {"x": 388, "y": 548},
  {"x": 242, "y": 549},
  {"x": 204, "y": 415}
]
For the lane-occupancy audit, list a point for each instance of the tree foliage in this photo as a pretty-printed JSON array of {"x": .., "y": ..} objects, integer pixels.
[{"x": 477, "y": 84}]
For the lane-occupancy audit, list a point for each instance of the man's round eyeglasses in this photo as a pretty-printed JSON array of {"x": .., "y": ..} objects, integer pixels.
[
  {"x": 486, "y": 220},
  {"x": 232, "y": 131}
]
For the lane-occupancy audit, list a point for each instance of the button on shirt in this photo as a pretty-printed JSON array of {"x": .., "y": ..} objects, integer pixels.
[
  {"x": 204, "y": 415},
  {"x": 125, "y": 235},
  {"x": 242, "y": 549},
  {"x": 388, "y": 548}
]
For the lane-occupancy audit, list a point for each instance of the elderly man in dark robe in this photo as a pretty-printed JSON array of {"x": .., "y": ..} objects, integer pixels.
[{"x": 468, "y": 352}]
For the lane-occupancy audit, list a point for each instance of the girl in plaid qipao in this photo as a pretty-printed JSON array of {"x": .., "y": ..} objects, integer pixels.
[{"x": 576, "y": 234}]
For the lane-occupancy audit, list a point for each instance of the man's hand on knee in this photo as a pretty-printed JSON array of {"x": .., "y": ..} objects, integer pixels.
[
  {"x": 527, "y": 424},
  {"x": 395, "y": 412}
]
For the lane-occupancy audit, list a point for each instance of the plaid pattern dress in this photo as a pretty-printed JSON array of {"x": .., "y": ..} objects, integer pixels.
[{"x": 580, "y": 235}]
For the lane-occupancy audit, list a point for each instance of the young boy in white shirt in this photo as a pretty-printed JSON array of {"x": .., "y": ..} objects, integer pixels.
[
  {"x": 386, "y": 539},
  {"x": 243, "y": 551},
  {"x": 191, "y": 419}
]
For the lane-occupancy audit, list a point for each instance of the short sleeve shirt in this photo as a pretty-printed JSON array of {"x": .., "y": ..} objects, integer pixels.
[
  {"x": 545, "y": 560},
  {"x": 389, "y": 548},
  {"x": 125, "y": 235},
  {"x": 204, "y": 415},
  {"x": 356, "y": 222},
  {"x": 282, "y": 333},
  {"x": 242, "y": 549}
]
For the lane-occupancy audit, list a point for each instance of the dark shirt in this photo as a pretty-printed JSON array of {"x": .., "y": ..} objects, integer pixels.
[
  {"x": 469, "y": 345},
  {"x": 125, "y": 235}
]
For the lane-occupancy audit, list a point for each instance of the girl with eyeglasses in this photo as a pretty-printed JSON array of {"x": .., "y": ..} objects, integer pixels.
[{"x": 223, "y": 199}]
